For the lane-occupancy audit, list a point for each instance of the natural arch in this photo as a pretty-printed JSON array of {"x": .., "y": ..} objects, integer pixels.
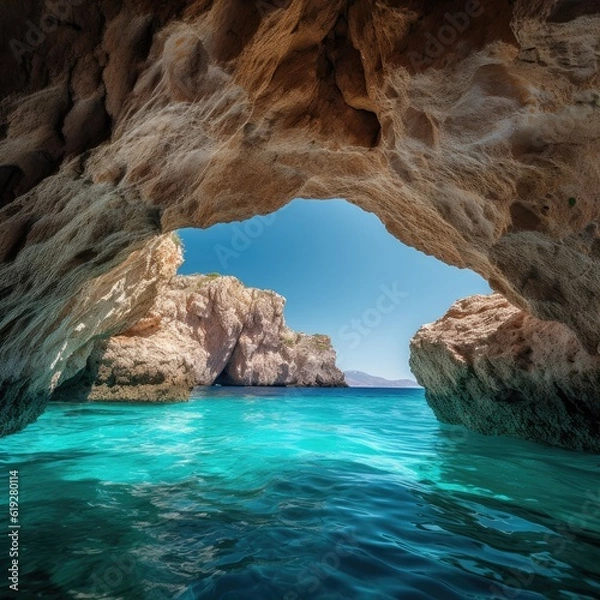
[
  {"x": 342, "y": 275},
  {"x": 125, "y": 122}
]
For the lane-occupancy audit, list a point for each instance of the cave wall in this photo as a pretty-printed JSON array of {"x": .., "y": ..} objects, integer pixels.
[{"x": 471, "y": 128}]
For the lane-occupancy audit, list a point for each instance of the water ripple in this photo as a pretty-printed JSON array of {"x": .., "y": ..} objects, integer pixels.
[{"x": 296, "y": 494}]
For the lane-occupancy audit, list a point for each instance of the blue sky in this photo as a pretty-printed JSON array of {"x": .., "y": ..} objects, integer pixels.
[{"x": 343, "y": 275}]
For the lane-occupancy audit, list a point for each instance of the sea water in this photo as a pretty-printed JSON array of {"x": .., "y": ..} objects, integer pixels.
[{"x": 271, "y": 493}]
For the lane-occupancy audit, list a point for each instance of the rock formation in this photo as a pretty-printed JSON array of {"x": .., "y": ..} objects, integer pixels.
[
  {"x": 470, "y": 127},
  {"x": 496, "y": 369},
  {"x": 203, "y": 329}
]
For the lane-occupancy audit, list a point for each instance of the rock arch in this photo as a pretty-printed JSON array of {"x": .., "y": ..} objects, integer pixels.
[{"x": 129, "y": 120}]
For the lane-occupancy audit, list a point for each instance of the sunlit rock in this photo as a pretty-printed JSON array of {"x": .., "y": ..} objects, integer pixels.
[
  {"x": 492, "y": 367},
  {"x": 470, "y": 128},
  {"x": 201, "y": 330}
]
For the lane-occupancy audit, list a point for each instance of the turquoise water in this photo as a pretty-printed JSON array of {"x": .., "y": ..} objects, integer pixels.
[{"x": 294, "y": 494}]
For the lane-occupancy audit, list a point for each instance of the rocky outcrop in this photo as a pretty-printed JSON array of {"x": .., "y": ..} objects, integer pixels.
[
  {"x": 202, "y": 330},
  {"x": 471, "y": 128},
  {"x": 492, "y": 367}
]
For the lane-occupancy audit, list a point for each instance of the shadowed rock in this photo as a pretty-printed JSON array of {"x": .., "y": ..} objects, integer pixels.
[
  {"x": 494, "y": 368},
  {"x": 203, "y": 330},
  {"x": 466, "y": 130}
]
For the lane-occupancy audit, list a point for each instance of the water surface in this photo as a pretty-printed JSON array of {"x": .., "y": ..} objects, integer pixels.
[{"x": 293, "y": 494}]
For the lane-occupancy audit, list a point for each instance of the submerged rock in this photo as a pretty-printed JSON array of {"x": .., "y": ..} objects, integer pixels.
[
  {"x": 492, "y": 367},
  {"x": 202, "y": 330}
]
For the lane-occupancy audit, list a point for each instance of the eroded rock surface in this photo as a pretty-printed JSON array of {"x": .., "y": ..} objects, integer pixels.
[
  {"x": 471, "y": 129},
  {"x": 492, "y": 367},
  {"x": 201, "y": 330}
]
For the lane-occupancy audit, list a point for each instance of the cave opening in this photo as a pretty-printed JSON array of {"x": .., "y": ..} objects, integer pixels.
[{"x": 343, "y": 275}]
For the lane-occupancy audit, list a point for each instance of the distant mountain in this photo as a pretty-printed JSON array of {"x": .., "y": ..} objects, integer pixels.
[{"x": 360, "y": 379}]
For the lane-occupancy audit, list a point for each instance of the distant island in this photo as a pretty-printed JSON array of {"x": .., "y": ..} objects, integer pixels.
[{"x": 361, "y": 379}]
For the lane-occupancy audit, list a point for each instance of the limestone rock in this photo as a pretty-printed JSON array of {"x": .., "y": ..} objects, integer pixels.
[
  {"x": 289, "y": 358},
  {"x": 201, "y": 330},
  {"x": 492, "y": 367},
  {"x": 471, "y": 128}
]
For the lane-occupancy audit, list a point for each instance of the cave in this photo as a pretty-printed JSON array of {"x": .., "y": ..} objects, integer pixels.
[
  {"x": 184, "y": 125},
  {"x": 470, "y": 129}
]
